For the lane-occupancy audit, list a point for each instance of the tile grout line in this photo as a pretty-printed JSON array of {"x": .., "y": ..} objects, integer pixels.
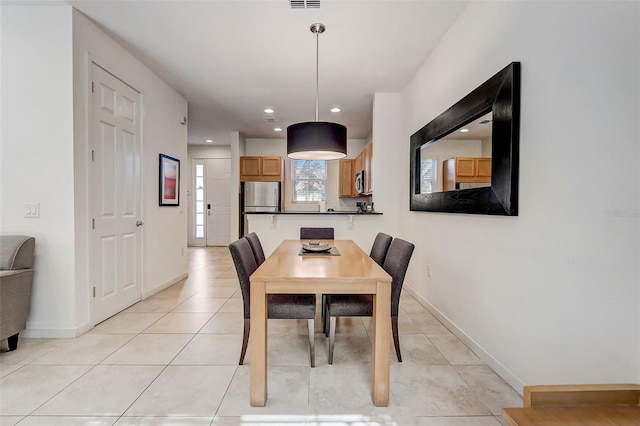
[{"x": 174, "y": 357}]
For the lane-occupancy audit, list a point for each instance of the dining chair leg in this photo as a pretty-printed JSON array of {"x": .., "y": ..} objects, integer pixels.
[
  {"x": 332, "y": 337},
  {"x": 312, "y": 342},
  {"x": 325, "y": 322},
  {"x": 324, "y": 309},
  {"x": 396, "y": 337},
  {"x": 245, "y": 339}
]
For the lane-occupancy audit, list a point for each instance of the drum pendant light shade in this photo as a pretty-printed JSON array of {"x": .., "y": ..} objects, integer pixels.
[{"x": 316, "y": 140}]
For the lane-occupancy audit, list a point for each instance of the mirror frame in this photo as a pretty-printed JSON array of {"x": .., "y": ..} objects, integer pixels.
[{"x": 501, "y": 95}]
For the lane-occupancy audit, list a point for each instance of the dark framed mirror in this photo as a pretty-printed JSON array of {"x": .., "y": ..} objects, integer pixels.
[{"x": 480, "y": 173}]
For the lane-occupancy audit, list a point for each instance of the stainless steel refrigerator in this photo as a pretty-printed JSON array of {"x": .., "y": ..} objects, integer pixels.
[{"x": 259, "y": 197}]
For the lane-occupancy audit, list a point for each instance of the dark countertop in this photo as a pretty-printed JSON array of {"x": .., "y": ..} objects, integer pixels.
[{"x": 343, "y": 213}]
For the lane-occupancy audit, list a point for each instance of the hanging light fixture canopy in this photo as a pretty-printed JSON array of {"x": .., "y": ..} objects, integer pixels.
[{"x": 317, "y": 140}]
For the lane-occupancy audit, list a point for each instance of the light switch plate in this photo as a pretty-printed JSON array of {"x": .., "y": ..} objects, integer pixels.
[{"x": 31, "y": 209}]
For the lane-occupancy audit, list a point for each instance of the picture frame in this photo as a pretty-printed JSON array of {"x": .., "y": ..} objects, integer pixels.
[{"x": 169, "y": 191}]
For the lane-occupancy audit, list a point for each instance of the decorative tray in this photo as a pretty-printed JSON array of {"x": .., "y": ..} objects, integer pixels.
[{"x": 315, "y": 247}]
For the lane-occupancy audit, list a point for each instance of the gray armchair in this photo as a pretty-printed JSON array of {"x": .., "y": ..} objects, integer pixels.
[{"x": 16, "y": 278}]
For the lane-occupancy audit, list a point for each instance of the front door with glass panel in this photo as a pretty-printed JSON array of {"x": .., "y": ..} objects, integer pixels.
[
  {"x": 212, "y": 202},
  {"x": 218, "y": 183}
]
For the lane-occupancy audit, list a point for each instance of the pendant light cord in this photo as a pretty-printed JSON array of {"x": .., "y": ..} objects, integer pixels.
[{"x": 317, "y": 70}]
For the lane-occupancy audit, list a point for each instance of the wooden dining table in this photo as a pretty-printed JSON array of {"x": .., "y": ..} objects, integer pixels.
[{"x": 285, "y": 271}]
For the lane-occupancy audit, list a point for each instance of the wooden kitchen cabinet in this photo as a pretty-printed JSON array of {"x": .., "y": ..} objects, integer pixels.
[
  {"x": 250, "y": 166},
  {"x": 348, "y": 169},
  {"x": 465, "y": 170},
  {"x": 358, "y": 163},
  {"x": 368, "y": 155},
  {"x": 261, "y": 169},
  {"x": 347, "y": 174},
  {"x": 271, "y": 166}
]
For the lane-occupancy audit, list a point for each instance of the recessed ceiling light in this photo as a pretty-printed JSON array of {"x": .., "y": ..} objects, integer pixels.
[
  {"x": 209, "y": 141},
  {"x": 277, "y": 129},
  {"x": 335, "y": 109},
  {"x": 269, "y": 111},
  {"x": 464, "y": 130}
]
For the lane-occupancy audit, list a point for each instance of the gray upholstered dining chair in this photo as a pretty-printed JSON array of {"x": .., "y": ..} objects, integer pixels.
[
  {"x": 378, "y": 253},
  {"x": 280, "y": 306},
  {"x": 380, "y": 247},
  {"x": 256, "y": 246},
  {"x": 316, "y": 234},
  {"x": 361, "y": 305}
]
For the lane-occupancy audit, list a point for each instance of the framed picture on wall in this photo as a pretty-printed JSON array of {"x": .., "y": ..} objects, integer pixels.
[{"x": 169, "y": 181}]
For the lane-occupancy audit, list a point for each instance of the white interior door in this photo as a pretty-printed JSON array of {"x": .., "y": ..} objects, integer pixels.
[
  {"x": 117, "y": 236},
  {"x": 218, "y": 184}
]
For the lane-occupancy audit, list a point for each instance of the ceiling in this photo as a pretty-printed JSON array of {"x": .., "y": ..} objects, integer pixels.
[{"x": 233, "y": 59}]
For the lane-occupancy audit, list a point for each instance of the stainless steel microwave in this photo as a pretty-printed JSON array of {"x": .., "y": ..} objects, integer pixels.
[{"x": 359, "y": 182}]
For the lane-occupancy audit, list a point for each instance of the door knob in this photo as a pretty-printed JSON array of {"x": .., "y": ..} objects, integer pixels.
[{"x": 139, "y": 223}]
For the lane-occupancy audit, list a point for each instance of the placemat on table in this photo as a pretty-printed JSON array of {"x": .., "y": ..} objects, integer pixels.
[{"x": 333, "y": 251}]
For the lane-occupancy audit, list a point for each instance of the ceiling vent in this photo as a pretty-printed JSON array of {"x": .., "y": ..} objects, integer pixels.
[
  {"x": 305, "y": 4},
  {"x": 270, "y": 119}
]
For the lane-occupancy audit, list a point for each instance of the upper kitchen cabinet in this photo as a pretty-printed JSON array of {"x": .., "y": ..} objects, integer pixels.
[
  {"x": 466, "y": 172},
  {"x": 261, "y": 169},
  {"x": 349, "y": 168},
  {"x": 368, "y": 154},
  {"x": 347, "y": 174}
]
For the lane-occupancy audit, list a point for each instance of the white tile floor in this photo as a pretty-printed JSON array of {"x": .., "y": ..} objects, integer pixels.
[{"x": 173, "y": 360}]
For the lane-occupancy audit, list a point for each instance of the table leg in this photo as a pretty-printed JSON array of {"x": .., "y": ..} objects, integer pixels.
[
  {"x": 258, "y": 389},
  {"x": 381, "y": 344}
]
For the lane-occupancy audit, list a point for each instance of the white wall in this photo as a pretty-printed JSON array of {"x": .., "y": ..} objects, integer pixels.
[
  {"x": 164, "y": 259},
  {"x": 272, "y": 229},
  {"x": 278, "y": 147},
  {"x": 238, "y": 146},
  {"x": 36, "y": 153},
  {"x": 389, "y": 163},
  {"x": 552, "y": 295},
  {"x": 45, "y": 158}
]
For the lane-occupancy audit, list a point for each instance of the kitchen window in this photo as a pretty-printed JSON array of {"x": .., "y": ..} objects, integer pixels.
[
  {"x": 309, "y": 178},
  {"x": 428, "y": 173}
]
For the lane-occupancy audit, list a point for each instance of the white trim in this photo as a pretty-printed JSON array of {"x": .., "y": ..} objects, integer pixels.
[
  {"x": 64, "y": 333},
  {"x": 41, "y": 331},
  {"x": 507, "y": 375},
  {"x": 163, "y": 286},
  {"x": 53, "y": 333}
]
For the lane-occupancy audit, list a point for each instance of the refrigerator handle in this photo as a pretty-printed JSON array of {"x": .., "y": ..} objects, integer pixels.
[{"x": 275, "y": 199}]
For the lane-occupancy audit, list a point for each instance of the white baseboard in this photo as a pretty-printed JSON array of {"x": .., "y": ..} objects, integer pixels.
[
  {"x": 506, "y": 374},
  {"x": 164, "y": 285},
  {"x": 35, "y": 331}
]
